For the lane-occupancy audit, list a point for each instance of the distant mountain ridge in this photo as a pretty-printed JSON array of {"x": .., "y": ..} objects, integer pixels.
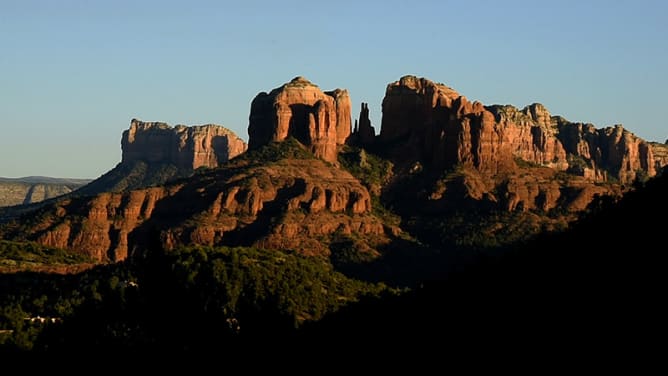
[
  {"x": 45, "y": 180},
  {"x": 32, "y": 189}
]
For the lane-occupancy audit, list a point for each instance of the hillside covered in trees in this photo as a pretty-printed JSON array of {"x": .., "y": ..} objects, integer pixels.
[{"x": 592, "y": 282}]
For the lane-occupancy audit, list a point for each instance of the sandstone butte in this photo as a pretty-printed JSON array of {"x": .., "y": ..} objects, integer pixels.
[
  {"x": 186, "y": 147},
  {"x": 154, "y": 153},
  {"x": 319, "y": 120},
  {"x": 436, "y": 125},
  {"x": 514, "y": 160}
]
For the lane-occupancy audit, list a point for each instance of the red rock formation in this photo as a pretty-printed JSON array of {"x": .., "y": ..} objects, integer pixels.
[
  {"x": 608, "y": 152},
  {"x": 300, "y": 109},
  {"x": 99, "y": 227},
  {"x": 364, "y": 131},
  {"x": 285, "y": 205},
  {"x": 465, "y": 155},
  {"x": 526, "y": 189},
  {"x": 442, "y": 127},
  {"x": 495, "y": 157},
  {"x": 343, "y": 114},
  {"x": 186, "y": 147},
  {"x": 533, "y": 134},
  {"x": 660, "y": 152},
  {"x": 434, "y": 124}
]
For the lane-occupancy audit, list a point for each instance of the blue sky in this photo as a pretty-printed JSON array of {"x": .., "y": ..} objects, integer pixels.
[{"x": 74, "y": 73}]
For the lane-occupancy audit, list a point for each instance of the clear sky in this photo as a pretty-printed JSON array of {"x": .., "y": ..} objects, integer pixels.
[{"x": 74, "y": 73}]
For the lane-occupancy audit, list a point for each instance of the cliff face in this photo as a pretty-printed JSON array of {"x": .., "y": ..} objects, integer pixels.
[
  {"x": 299, "y": 109},
  {"x": 343, "y": 114},
  {"x": 187, "y": 148},
  {"x": 438, "y": 126},
  {"x": 532, "y": 134},
  {"x": 97, "y": 227},
  {"x": 527, "y": 189},
  {"x": 292, "y": 203},
  {"x": 660, "y": 152},
  {"x": 611, "y": 152}
]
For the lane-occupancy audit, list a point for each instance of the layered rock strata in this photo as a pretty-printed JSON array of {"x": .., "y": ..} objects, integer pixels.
[
  {"x": 286, "y": 205},
  {"x": 185, "y": 147},
  {"x": 438, "y": 126},
  {"x": 320, "y": 120}
]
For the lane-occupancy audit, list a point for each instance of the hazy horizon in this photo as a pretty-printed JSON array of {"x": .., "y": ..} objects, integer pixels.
[{"x": 75, "y": 73}]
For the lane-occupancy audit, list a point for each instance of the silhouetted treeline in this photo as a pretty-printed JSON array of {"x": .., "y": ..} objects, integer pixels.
[{"x": 598, "y": 286}]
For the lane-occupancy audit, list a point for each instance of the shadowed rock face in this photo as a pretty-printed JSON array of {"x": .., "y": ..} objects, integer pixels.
[
  {"x": 99, "y": 226},
  {"x": 186, "y": 147},
  {"x": 660, "y": 152},
  {"x": 608, "y": 152},
  {"x": 299, "y": 109},
  {"x": 442, "y": 128},
  {"x": 435, "y": 125},
  {"x": 364, "y": 133}
]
